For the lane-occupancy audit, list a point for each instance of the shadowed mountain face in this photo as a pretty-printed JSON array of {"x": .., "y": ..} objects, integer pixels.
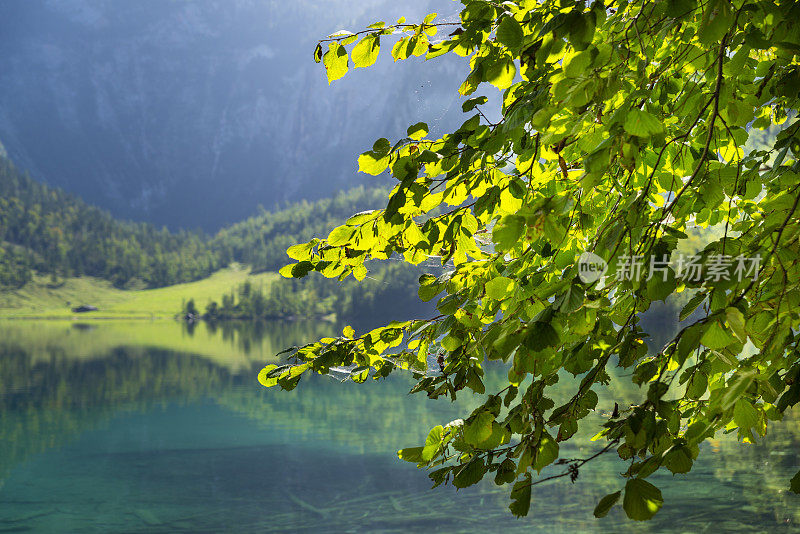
[{"x": 190, "y": 114}]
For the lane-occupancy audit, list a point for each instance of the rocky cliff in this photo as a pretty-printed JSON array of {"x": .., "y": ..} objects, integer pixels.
[{"x": 191, "y": 114}]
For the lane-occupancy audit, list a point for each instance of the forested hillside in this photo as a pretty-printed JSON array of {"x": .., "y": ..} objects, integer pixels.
[
  {"x": 49, "y": 231},
  {"x": 262, "y": 240}
]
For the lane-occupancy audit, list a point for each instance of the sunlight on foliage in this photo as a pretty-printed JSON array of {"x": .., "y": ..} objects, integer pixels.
[{"x": 622, "y": 128}]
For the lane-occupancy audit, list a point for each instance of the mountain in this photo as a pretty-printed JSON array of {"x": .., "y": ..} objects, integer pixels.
[{"x": 192, "y": 114}]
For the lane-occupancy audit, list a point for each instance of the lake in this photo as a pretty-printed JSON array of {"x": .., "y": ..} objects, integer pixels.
[{"x": 154, "y": 427}]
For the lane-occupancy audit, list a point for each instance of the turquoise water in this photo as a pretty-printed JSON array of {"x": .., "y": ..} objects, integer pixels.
[{"x": 121, "y": 428}]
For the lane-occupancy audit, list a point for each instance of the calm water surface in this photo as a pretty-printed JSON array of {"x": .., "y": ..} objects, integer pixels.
[{"x": 148, "y": 427}]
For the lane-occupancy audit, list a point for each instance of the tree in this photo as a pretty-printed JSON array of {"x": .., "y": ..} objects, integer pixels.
[
  {"x": 190, "y": 309},
  {"x": 621, "y": 127}
]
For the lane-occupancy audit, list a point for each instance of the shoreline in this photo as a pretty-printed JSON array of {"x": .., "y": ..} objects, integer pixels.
[
  {"x": 83, "y": 318},
  {"x": 176, "y": 318}
]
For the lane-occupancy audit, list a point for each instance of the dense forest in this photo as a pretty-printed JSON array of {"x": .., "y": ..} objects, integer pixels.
[
  {"x": 261, "y": 241},
  {"x": 389, "y": 293},
  {"x": 47, "y": 231}
]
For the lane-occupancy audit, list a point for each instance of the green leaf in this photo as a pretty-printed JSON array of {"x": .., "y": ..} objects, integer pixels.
[
  {"x": 427, "y": 292},
  {"x": 735, "y": 388},
  {"x": 404, "y": 168},
  {"x": 576, "y": 65},
  {"x": 449, "y": 304},
  {"x": 510, "y": 33},
  {"x": 546, "y": 452},
  {"x": 472, "y": 81},
  {"x": 400, "y": 50},
  {"x": 794, "y": 485},
  {"x": 411, "y": 454},
  {"x": 264, "y": 379},
  {"x": 451, "y": 343},
  {"x": 541, "y": 335},
  {"x": 679, "y": 8},
  {"x": 642, "y": 124},
  {"x": 418, "y": 131},
  {"x": 335, "y": 61},
  {"x": 697, "y": 385},
  {"x": 521, "y": 497},
  {"x": 501, "y": 73},
  {"x": 678, "y": 459},
  {"x": 572, "y": 299},
  {"x": 432, "y": 443},
  {"x": 717, "y": 20},
  {"x": 606, "y": 503},
  {"x": 642, "y": 500},
  {"x": 737, "y": 323},
  {"x": 300, "y": 252},
  {"x": 745, "y": 414},
  {"x": 499, "y": 288},
  {"x": 581, "y": 27},
  {"x": 507, "y": 232},
  {"x": 297, "y": 270},
  {"x": 716, "y": 336},
  {"x": 660, "y": 289},
  {"x": 318, "y": 53},
  {"x": 470, "y": 474},
  {"x": 372, "y": 163},
  {"x": 278, "y": 371},
  {"x": 692, "y": 305},
  {"x": 499, "y": 435},
  {"x": 689, "y": 341},
  {"x": 470, "y": 104},
  {"x": 340, "y": 235},
  {"x": 366, "y": 51},
  {"x": 479, "y": 429},
  {"x": 506, "y": 473},
  {"x": 381, "y": 147},
  {"x": 789, "y": 398}
]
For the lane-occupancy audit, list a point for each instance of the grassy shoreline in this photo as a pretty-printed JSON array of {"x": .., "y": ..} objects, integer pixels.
[
  {"x": 87, "y": 317},
  {"x": 41, "y": 299}
]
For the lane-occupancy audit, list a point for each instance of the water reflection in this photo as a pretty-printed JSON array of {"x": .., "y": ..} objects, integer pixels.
[{"x": 155, "y": 427}]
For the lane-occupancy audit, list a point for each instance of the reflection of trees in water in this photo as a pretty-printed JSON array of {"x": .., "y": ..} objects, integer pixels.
[
  {"x": 44, "y": 404},
  {"x": 338, "y": 413},
  {"x": 46, "y": 398},
  {"x": 247, "y": 335}
]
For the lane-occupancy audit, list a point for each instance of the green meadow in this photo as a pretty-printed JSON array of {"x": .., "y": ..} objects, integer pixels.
[{"x": 43, "y": 299}]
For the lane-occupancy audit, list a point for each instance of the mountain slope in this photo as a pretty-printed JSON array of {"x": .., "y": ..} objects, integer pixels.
[
  {"x": 47, "y": 230},
  {"x": 44, "y": 231},
  {"x": 261, "y": 240},
  {"x": 191, "y": 114}
]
